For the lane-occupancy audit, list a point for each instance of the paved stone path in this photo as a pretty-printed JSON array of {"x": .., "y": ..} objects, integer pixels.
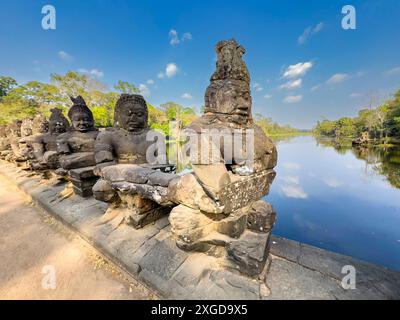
[{"x": 32, "y": 242}]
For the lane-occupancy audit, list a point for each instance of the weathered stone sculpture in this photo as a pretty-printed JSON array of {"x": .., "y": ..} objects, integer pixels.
[
  {"x": 44, "y": 144},
  {"x": 76, "y": 148},
  {"x": 122, "y": 162},
  {"x": 30, "y": 129},
  {"x": 4, "y": 142},
  {"x": 14, "y": 135},
  {"x": 219, "y": 209}
]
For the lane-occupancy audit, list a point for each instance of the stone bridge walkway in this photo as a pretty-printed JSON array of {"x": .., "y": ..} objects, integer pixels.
[{"x": 295, "y": 271}]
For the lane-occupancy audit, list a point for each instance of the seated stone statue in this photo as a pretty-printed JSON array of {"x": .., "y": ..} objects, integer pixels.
[
  {"x": 44, "y": 144},
  {"x": 30, "y": 129},
  {"x": 23, "y": 143},
  {"x": 130, "y": 142},
  {"x": 14, "y": 135},
  {"x": 76, "y": 147},
  {"x": 4, "y": 142}
]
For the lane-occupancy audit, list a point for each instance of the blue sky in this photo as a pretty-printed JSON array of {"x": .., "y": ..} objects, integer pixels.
[{"x": 297, "y": 80}]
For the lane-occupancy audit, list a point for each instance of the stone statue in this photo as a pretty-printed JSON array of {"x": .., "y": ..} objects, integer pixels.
[
  {"x": 4, "y": 143},
  {"x": 76, "y": 149},
  {"x": 77, "y": 146},
  {"x": 219, "y": 209},
  {"x": 127, "y": 152},
  {"x": 14, "y": 135},
  {"x": 44, "y": 144},
  {"x": 30, "y": 129},
  {"x": 128, "y": 142}
]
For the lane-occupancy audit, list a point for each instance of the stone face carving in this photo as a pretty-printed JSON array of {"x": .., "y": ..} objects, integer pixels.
[
  {"x": 76, "y": 148},
  {"x": 219, "y": 209},
  {"x": 121, "y": 154},
  {"x": 44, "y": 144}
]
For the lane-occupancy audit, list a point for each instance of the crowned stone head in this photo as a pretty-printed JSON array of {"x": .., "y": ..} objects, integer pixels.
[
  {"x": 80, "y": 115},
  {"x": 58, "y": 123}
]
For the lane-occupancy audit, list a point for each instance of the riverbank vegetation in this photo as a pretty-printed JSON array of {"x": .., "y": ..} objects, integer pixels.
[
  {"x": 26, "y": 100},
  {"x": 379, "y": 125}
]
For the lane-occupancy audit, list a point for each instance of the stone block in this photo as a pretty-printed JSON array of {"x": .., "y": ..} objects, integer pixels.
[
  {"x": 249, "y": 253},
  {"x": 261, "y": 217},
  {"x": 163, "y": 260},
  {"x": 246, "y": 190}
]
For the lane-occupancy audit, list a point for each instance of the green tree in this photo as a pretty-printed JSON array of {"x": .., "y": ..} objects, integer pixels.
[
  {"x": 6, "y": 85},
  {"x": 126, "y": 87}
]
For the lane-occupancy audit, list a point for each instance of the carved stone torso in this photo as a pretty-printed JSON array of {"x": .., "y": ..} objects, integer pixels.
[
  {"x": 122, "y": 146},
  {"x": 78, "y": 141}
]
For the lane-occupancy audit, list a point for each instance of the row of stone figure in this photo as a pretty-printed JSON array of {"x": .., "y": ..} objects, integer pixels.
[{"x": 215, "y": 208}]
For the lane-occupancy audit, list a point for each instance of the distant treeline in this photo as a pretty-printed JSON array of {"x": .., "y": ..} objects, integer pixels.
[
  {"x": 26, "y": 100},
  {"x": 380, "y": 123}
]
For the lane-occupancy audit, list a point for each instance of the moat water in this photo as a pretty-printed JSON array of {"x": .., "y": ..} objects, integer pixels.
[{"x": 342, "y": 199}]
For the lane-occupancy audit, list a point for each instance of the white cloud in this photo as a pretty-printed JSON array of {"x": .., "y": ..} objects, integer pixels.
[
  {"x": 292, "y": 84},
  {"x": 174, "y": 37},
  {"x": 65, "y": 56},
  {"x": 333, "y": 182},
  {"x": 291, "y": 165},
  {"x": 186, "y": 96},
  {"x": 93, "y": 72},
  {"x": 309, "y": 31},
  {"x": 257, "y": 87},
  {"x": 393, "y": 71},
  {"x": 291, "y": 179},
  {"x": 187, "y": 36},
  {"x": 144, "y": 90},
  {"x": 294, "y": 191},
  {"x": 293, "y": 99},
  {"x": 150, "y": 81},
  {"x": 355, "y": 95},
  {"x": 297, "y": 70},
  {"x": 337, "y": 78},
  {"x": 171, "y": 70},
  {"x": 315, "y": 88},
  {"x": 268, "y": 96}
]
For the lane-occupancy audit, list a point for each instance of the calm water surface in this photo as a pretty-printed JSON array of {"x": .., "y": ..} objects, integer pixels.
[{"x": 341, "y": 199}]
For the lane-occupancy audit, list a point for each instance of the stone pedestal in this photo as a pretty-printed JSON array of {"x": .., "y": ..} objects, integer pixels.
[
  {"x": 139, "y": 193},
  {"x": 83, "y": 180}
]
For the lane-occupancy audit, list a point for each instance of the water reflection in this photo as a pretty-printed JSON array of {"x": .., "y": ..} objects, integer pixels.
[{"x": 339, "y": 198}]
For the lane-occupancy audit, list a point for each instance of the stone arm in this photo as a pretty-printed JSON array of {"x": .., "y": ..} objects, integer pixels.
[
  {"x": 38, "y": 149},
  {"x": 103, "y": 148},
  {"x": 62, "y": 144}
]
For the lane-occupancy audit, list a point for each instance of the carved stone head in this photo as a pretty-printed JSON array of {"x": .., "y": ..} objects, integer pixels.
[
  {"x": 40, "y": 124},
  {"x": 14, "y": 129},
  {"x": 229, "y": 62},
  {"x": 131, "y": 113},
  {"x": 27, "y": 127},
  {"x": 230, "y": 97},
  {"x": 58, "y": 123},
  {"x": 80, "y": 115}
]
